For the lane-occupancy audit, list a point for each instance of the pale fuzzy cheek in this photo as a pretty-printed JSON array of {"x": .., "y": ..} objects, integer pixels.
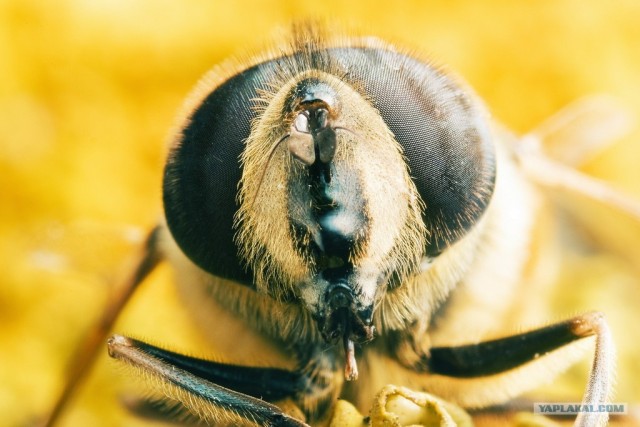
[
  {"x": 367, "y": 280},
  {"x": 388, "y": 210},
  {"x": 311, "y": 292}
]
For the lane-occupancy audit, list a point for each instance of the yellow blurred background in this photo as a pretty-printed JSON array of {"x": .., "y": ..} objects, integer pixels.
[{"x": 88, "y": 93}]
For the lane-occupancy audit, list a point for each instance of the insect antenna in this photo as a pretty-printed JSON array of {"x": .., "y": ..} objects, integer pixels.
[{"x": 264, "y": 170}]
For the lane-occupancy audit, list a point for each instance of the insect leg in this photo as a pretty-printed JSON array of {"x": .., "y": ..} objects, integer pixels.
[
  {"x": 199, "y": 384},
  {"x": 91, "y": 346},
  {"x": 496, "y": 356}
]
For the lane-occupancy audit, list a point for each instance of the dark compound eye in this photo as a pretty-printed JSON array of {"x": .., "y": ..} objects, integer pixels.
[
  {"x": 202, "y": 174},
  {"x": 445, "y": 139}
]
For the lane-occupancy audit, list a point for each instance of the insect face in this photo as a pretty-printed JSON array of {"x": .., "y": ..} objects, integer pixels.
[
  {"x": 348, "y": 179},
  {"x": 331, "y": 249}
]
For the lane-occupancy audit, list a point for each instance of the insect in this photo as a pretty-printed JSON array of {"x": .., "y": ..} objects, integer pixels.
[{"x": 353, "y": 210}]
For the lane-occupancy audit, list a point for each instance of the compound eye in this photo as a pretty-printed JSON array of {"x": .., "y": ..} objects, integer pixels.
[
  {"x": 445, "y": 136},
  {"x": 452, "y": 161},
  {"x": 203, "y": 171}
]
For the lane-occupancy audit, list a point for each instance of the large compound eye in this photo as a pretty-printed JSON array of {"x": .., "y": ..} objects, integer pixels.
[
  {"x": 445, "y": 137},
  {"x": 202, "y": 174}
]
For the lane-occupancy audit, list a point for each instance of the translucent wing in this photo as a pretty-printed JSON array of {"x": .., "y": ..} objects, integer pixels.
[
  {"x": 551, "y": 154},
  {"x": 582, "y": 129}
]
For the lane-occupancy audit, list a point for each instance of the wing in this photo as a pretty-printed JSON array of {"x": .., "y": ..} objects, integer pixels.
[{"x": 552, "y": 155}]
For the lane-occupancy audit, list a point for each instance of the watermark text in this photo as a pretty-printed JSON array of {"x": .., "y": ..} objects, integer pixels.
[{"x": 569, "y": 408}]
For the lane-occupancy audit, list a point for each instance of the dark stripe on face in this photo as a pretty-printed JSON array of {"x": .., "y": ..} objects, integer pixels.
[{"x": 328, "y": 219}]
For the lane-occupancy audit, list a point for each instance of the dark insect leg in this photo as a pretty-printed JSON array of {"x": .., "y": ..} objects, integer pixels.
[
  {"x": 196, "y": 384},
  {"x": 496, "y": 356},
  {"x": 270, "y": 384},
  {"x": 91, "y": 346}
]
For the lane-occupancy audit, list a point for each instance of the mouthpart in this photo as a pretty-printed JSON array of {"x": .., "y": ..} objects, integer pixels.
[{"x": 344, "y": 320}]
